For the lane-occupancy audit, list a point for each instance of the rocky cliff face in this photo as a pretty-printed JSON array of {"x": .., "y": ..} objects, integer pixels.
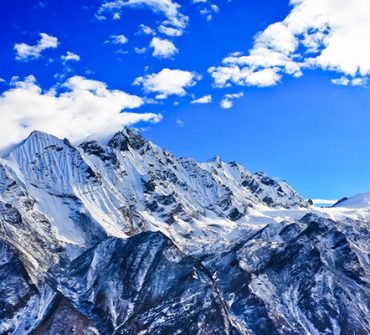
[{"x": 125, "y": 238}]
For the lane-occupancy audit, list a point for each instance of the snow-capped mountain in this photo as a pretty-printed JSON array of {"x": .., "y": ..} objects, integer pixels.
[
  {"x": 125, "y": 238},
  {"x": 358, "y": 201}
]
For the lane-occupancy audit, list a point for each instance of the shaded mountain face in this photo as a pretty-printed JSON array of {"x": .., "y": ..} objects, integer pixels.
[{"x": 125, "y": 238}]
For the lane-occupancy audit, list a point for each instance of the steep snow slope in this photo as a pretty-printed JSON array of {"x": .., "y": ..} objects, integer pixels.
[
  {"x": 25, "y": 228},
  {"x": 357, "y": 201}
]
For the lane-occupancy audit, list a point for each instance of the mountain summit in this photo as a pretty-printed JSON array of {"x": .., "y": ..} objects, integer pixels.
[{"x": 125, "y": 238}]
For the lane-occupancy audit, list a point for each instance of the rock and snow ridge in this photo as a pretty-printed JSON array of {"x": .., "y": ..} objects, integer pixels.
[{"x": 125, "y": 238}]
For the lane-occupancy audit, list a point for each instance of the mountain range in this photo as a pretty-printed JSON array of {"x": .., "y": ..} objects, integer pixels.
[{"x": 122, "y": 237}]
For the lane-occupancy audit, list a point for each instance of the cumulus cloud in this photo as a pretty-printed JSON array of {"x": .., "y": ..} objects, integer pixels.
[
  {"x": 168, "y": 82},
  {"x": 207, "y": 99},
  {"x": 326, "y": 34},
  {"x": 78, "y": 109},
  {"x": 71, "y": 56},
  {"x": 228, "y": 100},
  {"x": 174, "y": 19},
  {"x": 163, "y": 48},
  {"x": 25, "y": 51}
]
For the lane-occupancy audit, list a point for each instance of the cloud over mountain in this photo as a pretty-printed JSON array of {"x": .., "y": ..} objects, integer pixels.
[{"x": 77, "y": 109}]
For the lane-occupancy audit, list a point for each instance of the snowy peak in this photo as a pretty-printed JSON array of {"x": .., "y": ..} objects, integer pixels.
[
  {"x": 257, "y": 187},
  {"x": 49, "y": 162},
  {"x": 131, "y": 185},
  {"x": 126, "y": 138},
  {"x": 358, "y": 201}
]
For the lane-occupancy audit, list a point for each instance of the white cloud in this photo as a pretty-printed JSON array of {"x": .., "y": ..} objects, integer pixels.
[
  {"x": 168, "y": 82},
  {"x": 215, "y": 8},
  {"x": 345, "y": 81},
  {"x": 180, "y": 123},
  {"x": 207, "y": 99},
  {"x": 264, "y": 78},
  {"x": 207, "y": 8},
  {"x": 140, "y": 51},
  {"x": 168, "y": 8},
  {"x": 327, "y": 34},
  {"x": 323, "y": 202},
  {"x": 226, "y": 104},
  {"x": 71, "y": 56},
  {"x": 342, "y": 81},
  {"x": 359, "y": 81},
  {"x": 82, "y": 108},
  {"x": 170, "y": 31},
  {"x": 209, "y": 11},
  {"x": 228, "y": 100},
  {"x": 146, "y": 30},
  {"x": 25, "y": 51},
  {"x": 117, "y": 39},
  {"x": 163, "y": 48}
]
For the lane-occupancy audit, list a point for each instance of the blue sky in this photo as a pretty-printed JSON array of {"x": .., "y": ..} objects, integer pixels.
[{"x": 287, "y": 99}]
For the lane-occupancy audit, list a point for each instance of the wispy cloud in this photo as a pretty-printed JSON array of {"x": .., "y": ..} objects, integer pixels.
[
  {"x": 117, "y": 39},
  {"x": 207, "y": 99},
  {"x": 71, "y": 56},
  {"x": 348, "y": 81},
  {"x": 173, "y": 25},
  {"x": 180, "y": 123},
  {"x": 26, "y": 52}
]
